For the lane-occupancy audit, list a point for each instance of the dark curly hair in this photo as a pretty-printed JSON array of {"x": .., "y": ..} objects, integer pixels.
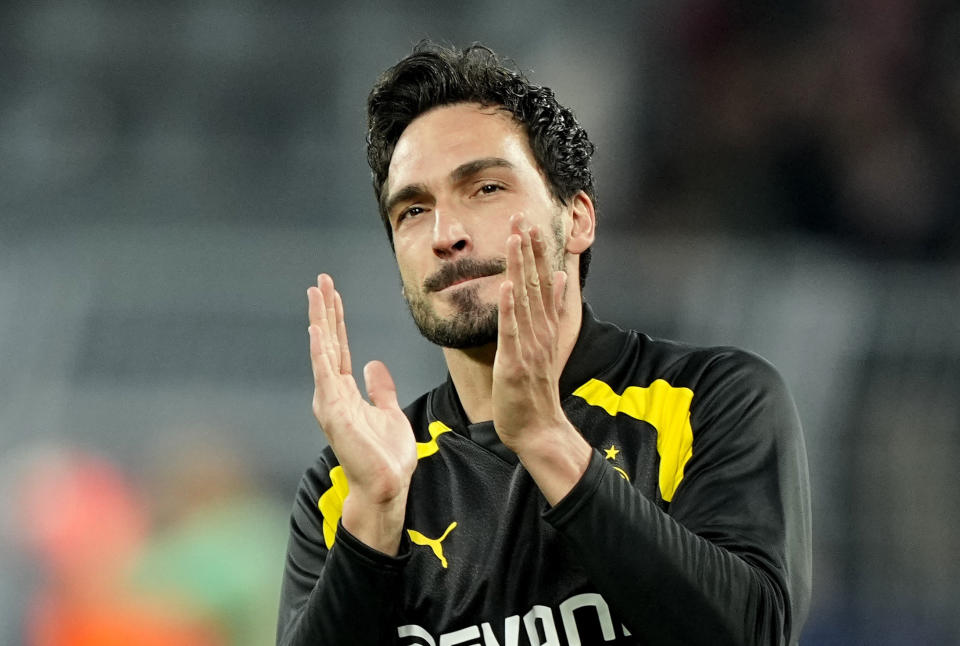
[{"x": 434, "y": 75}]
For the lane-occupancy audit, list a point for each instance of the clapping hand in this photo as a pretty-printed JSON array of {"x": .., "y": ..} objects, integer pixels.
[
  {"x": 373, "y": 441},
  {"x": 527, "y": 413}
]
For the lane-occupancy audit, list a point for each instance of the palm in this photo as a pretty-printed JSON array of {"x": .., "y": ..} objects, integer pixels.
[
  {"x": 373, "y": 441},
  {"x": 375, "y": 446},
  {"x": 526, "y": 368}
]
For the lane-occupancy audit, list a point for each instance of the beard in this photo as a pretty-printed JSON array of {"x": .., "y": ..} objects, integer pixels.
[{"x": 474, "y": 323}]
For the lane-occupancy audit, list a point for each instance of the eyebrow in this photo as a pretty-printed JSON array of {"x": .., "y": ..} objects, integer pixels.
[
  {"x": 409, "y": 192},
  {"x": 470, "y": 168},
  {"x": 458, "y": 174}
]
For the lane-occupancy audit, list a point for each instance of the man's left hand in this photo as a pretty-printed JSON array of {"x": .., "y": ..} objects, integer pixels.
[{"x": 527, "y": 413}]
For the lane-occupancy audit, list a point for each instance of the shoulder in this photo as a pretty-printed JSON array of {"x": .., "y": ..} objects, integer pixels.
[
  {"x": 740, "y": 402},
  {"x": 736, "y": 381},
  {"x": 724, "y": 383},
  {"x": 699, "y": 368}
]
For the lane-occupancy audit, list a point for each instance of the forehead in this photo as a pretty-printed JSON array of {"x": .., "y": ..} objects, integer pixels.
[{"x": 445, "y": 137}]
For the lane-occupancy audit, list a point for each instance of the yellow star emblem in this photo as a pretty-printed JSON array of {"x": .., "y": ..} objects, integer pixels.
[{"x": 612, "y": 452}]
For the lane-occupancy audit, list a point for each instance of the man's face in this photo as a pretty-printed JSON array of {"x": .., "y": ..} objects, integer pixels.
[{"x": 457, "y": 174}]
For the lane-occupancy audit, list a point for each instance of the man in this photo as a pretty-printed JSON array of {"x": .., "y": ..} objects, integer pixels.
[{"x": 570, "y": 482}]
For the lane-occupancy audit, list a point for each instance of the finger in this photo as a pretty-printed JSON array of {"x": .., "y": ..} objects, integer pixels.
[
  {"x": 316, "y": 312},
  {"x": 325, "y": 384},
  {"x": 380, "y": 387},
  {"x": 538, "y": 315},
  {"x": 319, "y": 361},
  {"x": 546, "y": 274},
  {"x": 316, "y": 308},
  {"x": 325, "y": 283},
  {"x": 346, "y": 367},
  {"x": 508, "y": 332},
  {"x": 516, "y": 275},
  {"x": 320, "y": 321}
]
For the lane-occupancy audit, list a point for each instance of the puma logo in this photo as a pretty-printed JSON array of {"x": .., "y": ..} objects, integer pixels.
[{"x": 432, "y": 543}]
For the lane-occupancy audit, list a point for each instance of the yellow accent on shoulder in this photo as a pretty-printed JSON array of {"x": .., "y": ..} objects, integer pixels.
[
  {"x": 436, "y": 429},
  {"x": 331, "y": 500},
  {"x": 664, "y": 407}
]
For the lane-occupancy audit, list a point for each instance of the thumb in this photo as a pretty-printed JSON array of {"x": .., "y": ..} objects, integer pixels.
[
  {"x": 559, "y": 289},
  {"x": 380, "y": 386}
]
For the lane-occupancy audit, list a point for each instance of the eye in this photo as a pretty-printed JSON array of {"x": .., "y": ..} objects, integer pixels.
[
  {"x": 487, "y": 189},
  {"x": 413, "y": 211}
]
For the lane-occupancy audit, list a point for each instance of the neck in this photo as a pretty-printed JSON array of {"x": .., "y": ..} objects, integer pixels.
[{"x": 472, "y": 368}]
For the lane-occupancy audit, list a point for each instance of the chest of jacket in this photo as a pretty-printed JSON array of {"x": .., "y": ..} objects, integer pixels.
[{"x": 480, "y": 548}]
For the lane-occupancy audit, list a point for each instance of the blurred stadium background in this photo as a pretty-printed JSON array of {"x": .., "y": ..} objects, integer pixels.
[{"x": 777, "y": 175}]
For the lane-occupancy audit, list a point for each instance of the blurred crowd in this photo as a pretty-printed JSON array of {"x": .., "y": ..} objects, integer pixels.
[
  {"x": 836, "y": 118},
  {"x": 185, "y": 553}
]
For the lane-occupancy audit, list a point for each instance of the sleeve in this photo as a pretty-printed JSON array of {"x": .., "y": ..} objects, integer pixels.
[
  {"x": 346, "y": 594},
  {"x": 729, "y": 561}
]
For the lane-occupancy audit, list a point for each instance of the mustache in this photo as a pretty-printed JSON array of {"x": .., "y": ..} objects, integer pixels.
[{"x": 465, "y": 269}]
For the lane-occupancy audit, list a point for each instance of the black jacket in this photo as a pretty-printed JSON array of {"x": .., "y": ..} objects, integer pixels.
[{"x": 690, "y": 526}]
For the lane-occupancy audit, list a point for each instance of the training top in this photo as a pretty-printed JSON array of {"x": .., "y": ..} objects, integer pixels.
[{"x": 691, "y": 524}]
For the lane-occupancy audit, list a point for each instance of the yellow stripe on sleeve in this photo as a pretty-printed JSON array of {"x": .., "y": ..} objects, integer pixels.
[
  {"x": 331, "y": 503},
  {"x": 664, "y": 407},
  {"x": 331, "y": 500}
]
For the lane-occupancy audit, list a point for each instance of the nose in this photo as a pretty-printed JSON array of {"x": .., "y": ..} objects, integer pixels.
[{"x": 450, "y": 237}]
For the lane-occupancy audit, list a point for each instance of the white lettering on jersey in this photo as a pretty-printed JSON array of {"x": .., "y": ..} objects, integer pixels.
[
  {"x": 461, "y": 637},
  {"x": 511, "y": 631},
  {"x": 539, "y": 624},
  {"x": 545, "y": 615},
  {"x": 570, "y": 622},
  {"x": 413, "y": 630}
]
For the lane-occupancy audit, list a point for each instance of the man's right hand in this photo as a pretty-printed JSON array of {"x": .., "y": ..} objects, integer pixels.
[{"x": 374, "y": 443}]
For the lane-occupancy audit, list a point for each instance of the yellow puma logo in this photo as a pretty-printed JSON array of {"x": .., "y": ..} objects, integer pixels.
[{"x": 432, "y": 543}]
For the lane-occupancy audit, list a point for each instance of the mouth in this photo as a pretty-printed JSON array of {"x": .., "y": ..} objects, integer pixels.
[
  {"x": 454, "y": 275},
  {"x": 466, "y": 279}
]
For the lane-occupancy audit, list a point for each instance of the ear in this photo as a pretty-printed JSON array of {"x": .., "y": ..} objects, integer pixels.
[{"x": 583, "y": 226}]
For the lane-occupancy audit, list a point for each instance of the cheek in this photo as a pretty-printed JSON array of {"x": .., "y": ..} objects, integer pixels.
[
  {"x": 496, "y": 231},
  {"x": 407, "y": 267}
]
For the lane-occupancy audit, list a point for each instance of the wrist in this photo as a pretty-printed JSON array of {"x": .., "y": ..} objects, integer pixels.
[
  {"x": 377, "y": 524},
  {"x": 556, "y": 459}
]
